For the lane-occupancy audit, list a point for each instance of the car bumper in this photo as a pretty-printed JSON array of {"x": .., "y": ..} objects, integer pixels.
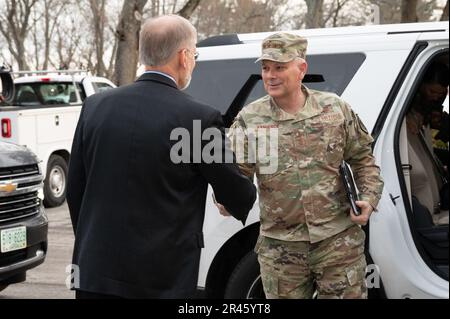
[{"x": 19, "y": 261}]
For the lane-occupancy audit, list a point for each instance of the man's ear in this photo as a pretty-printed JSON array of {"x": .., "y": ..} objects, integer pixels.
[
  {"x": 303, "y": 69},
  {"x": 182, "y": 58}
]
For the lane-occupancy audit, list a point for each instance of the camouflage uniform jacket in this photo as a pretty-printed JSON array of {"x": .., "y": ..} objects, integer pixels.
[{"x": 304, "y": 200}]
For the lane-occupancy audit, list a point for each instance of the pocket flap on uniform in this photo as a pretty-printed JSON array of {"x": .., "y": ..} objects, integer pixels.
[{"x": 355, "y": 273}]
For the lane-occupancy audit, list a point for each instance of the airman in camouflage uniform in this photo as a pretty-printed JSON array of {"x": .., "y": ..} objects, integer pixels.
[{"x": 308, "y": 238}]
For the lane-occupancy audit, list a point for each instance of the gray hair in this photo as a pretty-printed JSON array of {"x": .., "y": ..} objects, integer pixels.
[{"x": 161, "y": 37}]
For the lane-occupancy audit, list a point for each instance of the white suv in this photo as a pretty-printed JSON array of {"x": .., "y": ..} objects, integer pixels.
[{"x": 378, "y": 70}]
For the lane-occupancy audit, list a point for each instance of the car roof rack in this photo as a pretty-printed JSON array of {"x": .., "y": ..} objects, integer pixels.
[
  {"x": 226, "y": 39},
  {"x": 45, "y": 72}
]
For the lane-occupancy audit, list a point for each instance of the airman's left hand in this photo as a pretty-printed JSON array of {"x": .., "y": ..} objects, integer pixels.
[{"x": 366, "y": 211}]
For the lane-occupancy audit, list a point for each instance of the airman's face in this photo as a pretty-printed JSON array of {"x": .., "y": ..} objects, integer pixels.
[{"x": 282, "y": 79}]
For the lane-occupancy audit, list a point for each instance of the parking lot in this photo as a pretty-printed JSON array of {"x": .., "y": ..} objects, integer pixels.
[{"x": 47, "y": 281}]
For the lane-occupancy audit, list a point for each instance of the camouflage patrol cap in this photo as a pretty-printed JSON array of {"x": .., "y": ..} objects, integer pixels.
[{"x": 283, "y": 47}]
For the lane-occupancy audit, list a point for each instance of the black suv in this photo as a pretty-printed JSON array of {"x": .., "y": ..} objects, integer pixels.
[{"x": 23, "y": 223}]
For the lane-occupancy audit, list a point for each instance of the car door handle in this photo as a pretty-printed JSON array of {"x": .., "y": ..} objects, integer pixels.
[{"x": 394, "y": 199}]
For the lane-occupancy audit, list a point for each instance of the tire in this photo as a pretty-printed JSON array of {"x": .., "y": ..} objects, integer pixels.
[
  {"x": 3, "y": 287},
  {"x": 245, "y": 280},
  {"x": 55, "y": 184}
]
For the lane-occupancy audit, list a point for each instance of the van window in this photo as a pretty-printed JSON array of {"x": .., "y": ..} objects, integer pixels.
[{"x": 216, "y": 83}]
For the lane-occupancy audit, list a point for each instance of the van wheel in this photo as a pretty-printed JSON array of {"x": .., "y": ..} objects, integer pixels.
[
  {"x": 245, "y": 280},
  {"x": 55, "y": 183}
]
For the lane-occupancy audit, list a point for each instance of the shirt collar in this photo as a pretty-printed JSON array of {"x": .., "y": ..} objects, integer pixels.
[
  {"x": 310, "y": 109},
  {"x": 163, "y": 74}
]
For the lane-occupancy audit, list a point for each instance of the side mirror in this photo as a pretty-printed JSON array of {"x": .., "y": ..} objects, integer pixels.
[{"x": 7, "y": 85}]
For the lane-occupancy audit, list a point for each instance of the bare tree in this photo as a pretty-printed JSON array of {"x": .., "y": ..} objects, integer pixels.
[
  {"x": 212, "y": 17},
  {"x": 409, "y": 11},
  {"x": 161, "y": 7},
  {"x": 391, "y": 10},
  {"x": 14, "y": 25},
  {"x": 334, "y": 12},
  {"x": 155, "y": 8},
  {"x": 444, "y": 16},
  {"x": 112, "y": 60},
  {"x": 52, "y": 11},
  {"x": 314, "y": 16},
  {"x": 68, "y": 41},
  {"x": 99, "y": 22},
  {"x": 189, "y": 8},
  {"x": 128, "y": 29},
  {"x": 42, "y": 37},
  {"x": 35, "y": 37},
  {"x": 128, "y": 41},
  {"x": 240, "y": 16}
]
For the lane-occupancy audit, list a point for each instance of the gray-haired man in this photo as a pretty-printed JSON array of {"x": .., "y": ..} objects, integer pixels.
[{"x": 138, "y": 214}]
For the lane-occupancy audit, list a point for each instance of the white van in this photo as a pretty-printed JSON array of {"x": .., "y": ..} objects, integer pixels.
[{"x": 378, "y": 70}]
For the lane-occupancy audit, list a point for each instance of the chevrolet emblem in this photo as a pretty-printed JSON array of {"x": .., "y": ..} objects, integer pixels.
[{"x": 8, "y": 188}]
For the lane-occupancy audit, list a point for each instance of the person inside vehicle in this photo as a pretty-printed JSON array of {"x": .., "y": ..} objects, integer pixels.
[
  {"x": 424, "y": 126},
  {"x": 439, "y": 122},
  {"x": 426, "y": 112}
]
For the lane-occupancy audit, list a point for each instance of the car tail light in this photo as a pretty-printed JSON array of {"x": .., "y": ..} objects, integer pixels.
[
  {"x": 6, "y": 128},
  {"x": 45, "y": 79}
]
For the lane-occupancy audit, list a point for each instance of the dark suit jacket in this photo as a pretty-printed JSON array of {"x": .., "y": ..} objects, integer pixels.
[{"x": 137, "y": 216}]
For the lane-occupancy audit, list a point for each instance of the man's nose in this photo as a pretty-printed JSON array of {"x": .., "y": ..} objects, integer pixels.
[{"x": 271, "y": 74}]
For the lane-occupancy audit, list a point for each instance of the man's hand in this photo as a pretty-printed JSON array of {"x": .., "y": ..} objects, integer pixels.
[
  {"x": 222, "y": 210},
  {"x": 366, "y": 211}
]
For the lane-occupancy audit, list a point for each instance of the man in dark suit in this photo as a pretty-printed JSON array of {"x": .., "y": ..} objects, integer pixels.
[{"x": 137, "y": 210}]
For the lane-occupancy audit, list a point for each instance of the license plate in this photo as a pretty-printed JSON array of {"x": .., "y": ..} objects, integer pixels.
[{"x": 13, "y": 239}]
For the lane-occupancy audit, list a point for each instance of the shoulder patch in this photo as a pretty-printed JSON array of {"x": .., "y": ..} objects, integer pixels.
[{"x": 361, "y": 125}]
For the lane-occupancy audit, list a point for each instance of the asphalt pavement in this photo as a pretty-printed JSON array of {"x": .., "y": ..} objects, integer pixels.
[{"x": 47, "y": 281}]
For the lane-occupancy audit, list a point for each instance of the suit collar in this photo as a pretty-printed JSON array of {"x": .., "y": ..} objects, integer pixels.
[{"x": 157, "y": 78}]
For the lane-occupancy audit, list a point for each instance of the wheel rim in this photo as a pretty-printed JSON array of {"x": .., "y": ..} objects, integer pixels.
[
  {"x": 256, "y": 290},
  {"x": 57, "y": 181}
]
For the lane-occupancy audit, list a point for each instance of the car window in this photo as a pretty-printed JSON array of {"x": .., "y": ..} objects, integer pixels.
[
  {"x": 101, "y": 86},
  {"x": 216, "y": 83},
  {"x": 26, "y": 96},
  {"x": 43, "y": 94}
]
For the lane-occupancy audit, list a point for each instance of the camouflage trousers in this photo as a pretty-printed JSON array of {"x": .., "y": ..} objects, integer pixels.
[{"x": 334, "y": 267}]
